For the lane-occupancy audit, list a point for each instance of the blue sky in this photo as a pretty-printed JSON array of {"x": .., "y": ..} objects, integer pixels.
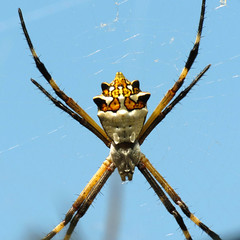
[{"x": 46, "y": 158}]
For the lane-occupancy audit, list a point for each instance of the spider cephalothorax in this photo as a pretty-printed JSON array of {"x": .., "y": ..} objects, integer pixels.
[{"x": 122, "y": 111}]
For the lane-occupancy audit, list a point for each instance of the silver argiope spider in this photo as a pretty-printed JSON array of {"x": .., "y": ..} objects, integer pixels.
[{"x": 122, "y": 111}]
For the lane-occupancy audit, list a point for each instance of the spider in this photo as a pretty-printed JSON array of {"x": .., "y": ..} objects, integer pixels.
[{"x": 122, "y": 112}]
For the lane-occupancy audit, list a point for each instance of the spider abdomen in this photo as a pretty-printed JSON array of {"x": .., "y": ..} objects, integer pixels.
[
  {"x": 122, "y": 109},
  {"x": 123, "y": 126}
]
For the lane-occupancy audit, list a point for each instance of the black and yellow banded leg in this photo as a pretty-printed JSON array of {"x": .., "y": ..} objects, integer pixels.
[
  {"x": 95, "y": 128},
  {"x": 62, "y": 106},
  {"x": 93, "y": 187},
  {"x": 88, "y": 201},
  {"x": 151, "y": 123},
  {"x": 176, "y": 100},
  {"x": 166, "y": 202},
  {"x": 177, "y": 200}
]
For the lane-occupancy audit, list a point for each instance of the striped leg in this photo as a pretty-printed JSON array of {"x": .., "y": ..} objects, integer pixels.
[
  {"x": 174, "y": 196},
  {"x": 88, "y": 201},
  {"x": 85, "y": 198},
  {"x": 179, "y": 97},
  {"x": 78, "y": 118},
  {"x": 151, "y": 123},
  {"x": 171, "y": 209},
  {"x": 96, "y": 129}
]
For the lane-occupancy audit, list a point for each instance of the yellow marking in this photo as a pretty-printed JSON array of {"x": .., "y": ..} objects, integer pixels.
[
  {"x": 59, "y": 227},
  {"x": 104, "y": 107},
  {"x": 198, "y": 38},
  {"x": 183, "y": 75},
  {"x": 129, "y": 104},
  {"x": 120, "y": 79},
  {"x": 34, "y": 53},
  {"x": 126, "y": 92},
  {"x": 119, "y": 75},
  {"x": 105, "y": 92},
  {"x": 114, "y": 105},
  {"x": 186, "y": 234},
  {"x": 55, "y": 87},
  {"x": 195, "y": 219},
  {"x": 115, "y": 93},
  {"x": 120, "y": 86},
  {"x": 141, "y": 104}
]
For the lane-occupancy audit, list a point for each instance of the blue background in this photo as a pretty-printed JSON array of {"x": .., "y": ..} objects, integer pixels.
[{"x": 46, "y": 158}]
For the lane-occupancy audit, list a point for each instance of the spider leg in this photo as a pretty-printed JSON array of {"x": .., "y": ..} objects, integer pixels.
[
  {"x": 166, "y": 202},
  {"x": 179, "y": 97},
  {"x": 97, "y": 130},
  {"x": 85, "y": 198},
  {"x": 151, "y": 123},
  {"x": 88, "y": 201},
  {"x": 81, "y": 120},
  {"x": 177, "y": 200}
]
